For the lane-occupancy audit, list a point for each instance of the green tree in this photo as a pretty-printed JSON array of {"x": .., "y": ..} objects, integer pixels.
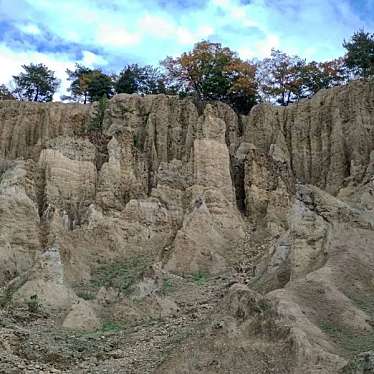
[
  {"x": 36, "y": 83},
  {"x": 79, "y": 78},
  {"x": 99, "y": 85},
  {"x": 88, "y": 84},
  {"x": 213, "y": 72},
  {"x": 97, "y": 118},
  {"x": 128, "y": 80},
  {"x": 5, "y": 93},
  {"x": 360, "y": 53},
  {"x": 322, "y": 75},
  {"x": 280, "y": 77},
  {"x": 140, "y": 79}
]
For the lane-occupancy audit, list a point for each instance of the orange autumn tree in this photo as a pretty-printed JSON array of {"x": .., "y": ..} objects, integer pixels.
[{"x": 213, "y": 72}]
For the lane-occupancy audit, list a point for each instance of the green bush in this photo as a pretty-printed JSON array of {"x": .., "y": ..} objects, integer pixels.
[
  {"x": 86, "y": 295},
  {"x": 167, "y": 285},
  {"x": 97, "y": 119},
  {"x": 120, "y": 275},
  {"x": 199, "y": 278},
  {"x": 110, "y": 326}
]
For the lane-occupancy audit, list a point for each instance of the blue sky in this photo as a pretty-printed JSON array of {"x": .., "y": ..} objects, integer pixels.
[{"x": 113, "y": 33}]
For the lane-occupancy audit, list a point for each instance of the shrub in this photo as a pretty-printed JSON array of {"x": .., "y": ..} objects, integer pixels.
[
  {"x": 167, "y": 285},
  {"x": 120, "y": 275},
  {"x": 86, "y": 295},
  {"x": 97, "y": 119},
  {"x": 199, "y": 278},
  {"x": 33, "y": 304},
  {"x": 110, "y": 326}
]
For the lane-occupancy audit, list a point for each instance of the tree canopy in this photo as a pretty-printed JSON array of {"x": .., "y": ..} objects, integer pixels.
[
  {"x": 36, "y": 83},
  {"x": 213, "y": 72},
  {"x": 360, "y": 53},
  {"x": 321, "y": 75},
  {"x": 209, "y": 71},
  {"x": 79, "y": 82},
  {"x": 279, "y": 77},
  {"x": 5, "y": 93},
  {"x": 89, "y": 84},
  {"x": 99, "y": 85},
  {"x": 140, "y": 79},
  {"x": 284, "y": 79}
]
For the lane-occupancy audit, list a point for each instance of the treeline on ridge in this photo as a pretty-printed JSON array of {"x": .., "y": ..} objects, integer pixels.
[{"x": 208, "y": 72}]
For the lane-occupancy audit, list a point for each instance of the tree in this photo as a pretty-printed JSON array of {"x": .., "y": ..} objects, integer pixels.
[
  {"x": 79, "y": 83},
  {"x": 5, "y": 93},
  {"x": 88, "y": 84},
  {"x": 36, "y": 83},
  {"x": 97, "y": 119},
  {"x": 360, "y": 53},
  {"x": 213, "y": 72},
  {"x": 99, "y": 85},
  {"x": 285, "y": 79},
  {"x": 280, "y": 77},
  {"x": 322, "y": 75},
  {"x": 141, "y": 80}
]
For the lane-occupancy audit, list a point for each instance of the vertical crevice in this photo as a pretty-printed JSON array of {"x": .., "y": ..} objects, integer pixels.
[
  {"x": 42, "y": 206},
  {"x": 238, "y": 179}
]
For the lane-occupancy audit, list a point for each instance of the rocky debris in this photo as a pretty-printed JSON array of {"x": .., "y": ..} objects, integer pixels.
[
  {"x": 139, "y": 346},
  {"x": 361, "y": 364}
]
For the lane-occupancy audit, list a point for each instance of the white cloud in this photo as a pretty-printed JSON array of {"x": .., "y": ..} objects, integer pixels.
[
  {"x": 11, "y": 64},
  {"x": 264, "y": 47},
  {"x": 205, "y": 32},
  {"x": 246, "y": 53},
  {"x": 156, "y": 25},
  {"x": 185, "y": 36},
  {"x": 91, "y": 59},
  {"x": 29, "y": 28},
  {"x": 114, "y": 37},
  {"x": 188, "y": 37},
  {"x": 236, "y": 11}
]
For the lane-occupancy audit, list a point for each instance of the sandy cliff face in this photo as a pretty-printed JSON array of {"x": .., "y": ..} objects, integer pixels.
[{"x": 278, "y": 204}]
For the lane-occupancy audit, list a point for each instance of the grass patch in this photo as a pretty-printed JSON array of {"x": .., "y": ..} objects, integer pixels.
[
  {"x": 110, "y": 326},
  {"x": 199, "y": 278},
  {"x": 167, "y": 286},
  {"x": 365, "y": 303},
  {"x": 107, "y": 327},
  {"x": 120, "y": 275},
  {"x": 86, "y": 295},
  {"x": 349, "y": 340}
]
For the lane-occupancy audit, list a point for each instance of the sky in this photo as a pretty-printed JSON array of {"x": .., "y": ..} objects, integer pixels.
[{"x": 113, "y": 33}]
